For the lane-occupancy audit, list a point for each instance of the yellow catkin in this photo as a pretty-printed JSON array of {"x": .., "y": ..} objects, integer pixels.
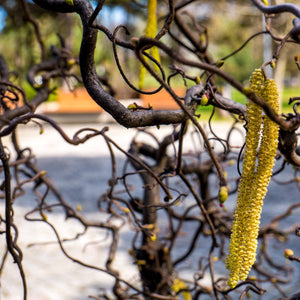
[
  {"x": 151, "y": 30},
  {"x": 254, "y": 114},
  {"x": 254, "y": 180}
]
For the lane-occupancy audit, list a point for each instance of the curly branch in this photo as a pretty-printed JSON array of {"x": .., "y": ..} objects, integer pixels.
[
  {"x": 12, "y": 248},
  {"x": 281, "y": 8}
]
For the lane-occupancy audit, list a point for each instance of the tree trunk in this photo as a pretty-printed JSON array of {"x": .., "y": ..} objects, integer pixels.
[{"x": 153, "y": 257}]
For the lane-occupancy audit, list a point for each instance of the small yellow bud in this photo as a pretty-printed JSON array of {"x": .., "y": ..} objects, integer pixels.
[
  {"x": 204, "y": 100},
  {"x": 149, "y": 106},
  {"x": 231, "y": 162},
  {"x": 134, "y": 40},
  {"x": 198, "y": 80},
  {"x": 252, "y": 278},
  {"x": 153, "y": 237},
  {"x": 42, "y": 130},
  {"x": 223, "y": 194},
  {"x": 216, "y": 258},
  {"x": 272, "y": 64},
  {"x": 37, "y": 85},
  {"x": 130, "y": 252},
  {"x": 71, "y": 62},
  {"x": 141, "y": 262},
  {"x": 165, "y": 250},
  {"x": 148, "y": 226},
  {"x": 281, "y": 239},
  {"x": 265, "y": 2},
  {"x": 208, "y": 232},
  {"x": 247, "y": 90},
  {"x": 44, "y": 172},
  {"x": 177, "y": 202},
  {"x": 296, "y": 58},
  {"x": 79, "y": 207},
  {"x": 202, "y": 38},
  {"x": 220, "y": 63},
  {"x": 69, "y": 2},
  {"x": 132, "y": 107},
  {"x": 45, "y": 218},
  {"x": 288, "y": 252},
  {"x": 178, "y": 285}
]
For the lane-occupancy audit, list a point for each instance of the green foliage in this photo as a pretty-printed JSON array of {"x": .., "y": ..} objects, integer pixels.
[
  {"x": 31, "y": 92},
  {"x": 287, "y": 93},
  {"x": 228, "y": 29}
]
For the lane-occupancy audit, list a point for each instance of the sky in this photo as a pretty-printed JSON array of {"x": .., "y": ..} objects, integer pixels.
[
  {"x": 2, "y": 18},
  {"x": 117, "y": 14}
]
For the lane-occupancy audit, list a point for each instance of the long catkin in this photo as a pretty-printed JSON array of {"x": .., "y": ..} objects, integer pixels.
[
  {"x": 255, "y": 179},
  {"x": 151, "y": 30}
]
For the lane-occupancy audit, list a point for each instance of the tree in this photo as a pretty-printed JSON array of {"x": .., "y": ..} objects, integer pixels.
[{"x": 167, "y": 174}]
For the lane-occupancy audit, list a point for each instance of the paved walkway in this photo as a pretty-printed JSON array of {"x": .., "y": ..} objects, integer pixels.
[{"x": 80, "y": 172}]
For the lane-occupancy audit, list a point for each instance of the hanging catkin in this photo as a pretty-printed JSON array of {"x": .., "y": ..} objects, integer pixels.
[
  {"x": 255, "y": 179},
  {"x": 151, "y": 30}
]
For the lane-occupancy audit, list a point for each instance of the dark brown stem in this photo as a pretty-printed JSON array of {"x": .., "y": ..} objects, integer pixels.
[{"x": 12, "y": 248}]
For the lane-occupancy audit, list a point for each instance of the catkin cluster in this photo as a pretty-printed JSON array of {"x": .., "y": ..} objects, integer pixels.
[
  {"x": 257, "y": 170},
  {"x": 151, "y": 30}
]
